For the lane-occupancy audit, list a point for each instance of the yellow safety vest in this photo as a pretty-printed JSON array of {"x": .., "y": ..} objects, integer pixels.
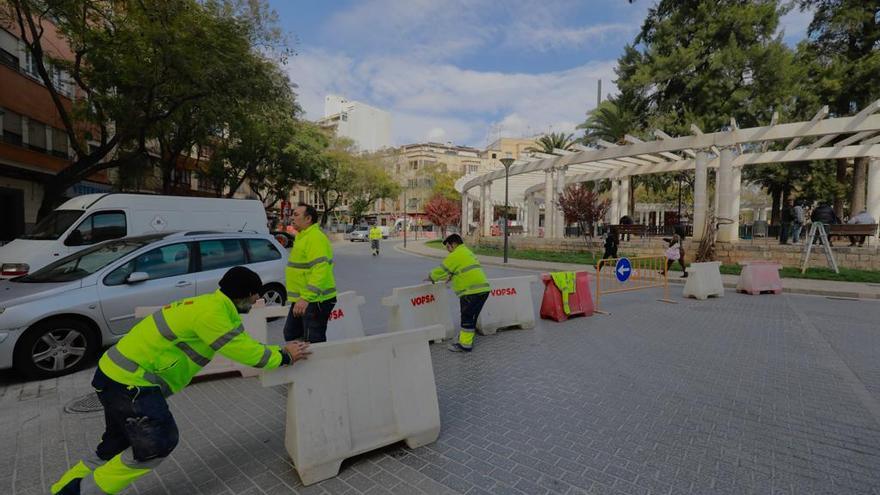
[
  {"x": 167, "y": 348},
  {"x": 375, "y": 233},
  {"x": 565, "y": 282},
  {"x": 310, "y": 267},
  {"x": 463, "y": 268}
]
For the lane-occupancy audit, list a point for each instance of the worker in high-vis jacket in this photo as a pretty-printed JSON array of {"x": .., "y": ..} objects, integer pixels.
[
  {"x": 157, "y": 358},
  {"x": 311, "y": 288},
  {"x": 375, "y": 237},
  {"x": 470, "y": 285}
]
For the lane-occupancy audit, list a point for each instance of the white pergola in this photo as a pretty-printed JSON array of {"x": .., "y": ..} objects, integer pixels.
[{"x": 542, "y": 176}]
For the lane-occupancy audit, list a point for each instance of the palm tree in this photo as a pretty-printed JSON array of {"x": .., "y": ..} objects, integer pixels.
[
  {"x": 549, "y": 142},
  {"x": 610, "y": 121}
]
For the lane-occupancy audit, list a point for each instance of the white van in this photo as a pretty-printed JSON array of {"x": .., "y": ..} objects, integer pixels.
[{"x": 92, "y": 218}]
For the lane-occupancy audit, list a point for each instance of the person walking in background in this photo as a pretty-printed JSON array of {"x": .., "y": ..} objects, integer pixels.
[
  {"x": 311, "y": 287},
  {"x": 375, "y": 237},
  {"x": 798, "y": 222},
  {"x": 786, "y": 221},
  {"x": 611, "y": 243},
  {"x": 674, "y": 253},
  {"x": 469, "y": 283}
]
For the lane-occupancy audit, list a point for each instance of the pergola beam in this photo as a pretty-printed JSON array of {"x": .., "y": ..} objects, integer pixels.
[
  {"x": 807, "y": 126},
  {"x": 662, "y": 135}
]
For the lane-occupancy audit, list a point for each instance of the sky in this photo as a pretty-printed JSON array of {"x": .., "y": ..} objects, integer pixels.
[{"x": 465, "y": 71}]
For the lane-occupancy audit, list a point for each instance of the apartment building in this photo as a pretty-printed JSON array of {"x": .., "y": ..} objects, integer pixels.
[{"x": 368, "y": 126}]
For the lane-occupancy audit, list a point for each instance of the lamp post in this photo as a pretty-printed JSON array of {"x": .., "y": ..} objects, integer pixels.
[
  {"x": 507, "y": 162},
  {"x": 404, "y": 217}
]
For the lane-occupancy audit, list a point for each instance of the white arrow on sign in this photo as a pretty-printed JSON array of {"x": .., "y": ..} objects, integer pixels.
[{"x": 622, "y": 270}]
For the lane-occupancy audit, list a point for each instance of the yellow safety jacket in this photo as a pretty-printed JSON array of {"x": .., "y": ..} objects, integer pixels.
[
  {"x": 167, "y": 348},
  {"x": 463, "y": 268},
  {"x": 565, "y": 281},
  {"x": 310, "y": 267},
  {"x": 375, "y": 234}
]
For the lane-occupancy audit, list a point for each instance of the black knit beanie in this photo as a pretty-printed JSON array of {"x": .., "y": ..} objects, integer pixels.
[{"x": 240, "y": 282}]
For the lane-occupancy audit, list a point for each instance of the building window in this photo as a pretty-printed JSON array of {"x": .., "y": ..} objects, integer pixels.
[
  {"x": 9, "y": 59},
  {"x": 9, "y": 50},
  {"x": 12, "y": 127},
  {"x": 36, "y": 136},
  {"x": 494, "y": 155},
  {"x": 30, "y": 63},
  {"x": 472, "y": 169},
  {"x": 302, "y": 196},
  {"x": 413, "y": 165},
  {"x": 181, "y": 177},
  {"x": 59, "y": 143},
  {"x": 413, "y": 183}
]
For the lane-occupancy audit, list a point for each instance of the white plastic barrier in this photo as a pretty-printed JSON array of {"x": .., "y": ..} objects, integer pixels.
[
  {"x": 356, "y": 395},
  {"x": 704, "y": 280},
  {"x": 345, "y": 323},
  {"x": 418, "y": 306},
  {"x": 509, "y": 305}
]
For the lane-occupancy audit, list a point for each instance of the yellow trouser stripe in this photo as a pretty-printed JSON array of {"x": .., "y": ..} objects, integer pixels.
[{"x": 466, "y": 338}]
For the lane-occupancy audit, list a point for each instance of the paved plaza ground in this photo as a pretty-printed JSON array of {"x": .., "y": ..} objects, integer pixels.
[{"x": 743, "y": 394}]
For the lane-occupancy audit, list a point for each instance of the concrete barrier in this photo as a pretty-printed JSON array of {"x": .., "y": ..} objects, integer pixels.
[
  {"x": 352, "y": 396},
  {"x": 704, "y": 280},
  {"x": 509, "y": 305},
  {"x": 759, "y": 276},
  {"x": 418, "y": 306},
  {"x": 345, "y": 323}
]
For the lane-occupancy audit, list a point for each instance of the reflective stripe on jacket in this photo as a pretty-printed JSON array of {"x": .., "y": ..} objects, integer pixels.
[
  {"x": 463, "y": 268},
  {"x": 310, "y": 267},
  {"x": 375, "y": 233},
  {"x": 169, "y": 347}
]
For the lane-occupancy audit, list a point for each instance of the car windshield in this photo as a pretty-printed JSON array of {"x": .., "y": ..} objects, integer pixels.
[
  {"x": 51, "y": 227},
  {"x": 88, "y": 261}
]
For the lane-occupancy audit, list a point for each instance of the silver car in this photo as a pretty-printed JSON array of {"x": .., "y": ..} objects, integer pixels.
[
  {"x": 360, "y": 234},
  {"x": 57, "y": 319}
]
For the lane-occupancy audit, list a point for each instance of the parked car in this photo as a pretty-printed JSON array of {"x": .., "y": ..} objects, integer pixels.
[
  {"x": 361, "y": 234},
  {"x": 92, "y": 218},
  {"x": 57, "y": 319}
]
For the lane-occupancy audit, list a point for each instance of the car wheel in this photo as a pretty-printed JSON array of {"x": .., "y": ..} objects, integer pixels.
[
  {"x": 55, "y": 347},
  {"x": 274, "y": 295}
]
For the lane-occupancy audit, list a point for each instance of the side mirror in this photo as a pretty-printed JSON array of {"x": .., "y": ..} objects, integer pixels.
[
  {"x": 136, "y": 277},
  {"x": 74, "y": 239}
]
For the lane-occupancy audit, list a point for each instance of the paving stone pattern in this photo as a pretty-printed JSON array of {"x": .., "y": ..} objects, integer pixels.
[{"x": 729, "y": 395}]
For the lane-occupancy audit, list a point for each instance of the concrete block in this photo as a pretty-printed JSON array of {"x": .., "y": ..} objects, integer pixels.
[
  {"x": 418, "y": 306},
  {"x": 704, "y": 280},
  {"x": 509, "y": 305},
  {"x": 355, "y": 395},
  {"x": 759, "y": 276}
]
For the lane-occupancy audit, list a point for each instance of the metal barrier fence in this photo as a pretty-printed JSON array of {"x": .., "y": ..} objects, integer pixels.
[{"x": 646, "y": 272}]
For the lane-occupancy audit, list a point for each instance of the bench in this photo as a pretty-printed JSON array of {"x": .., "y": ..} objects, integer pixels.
[
  {"x": 631, "y": 229},
  {"x": 846, "y": 229}
]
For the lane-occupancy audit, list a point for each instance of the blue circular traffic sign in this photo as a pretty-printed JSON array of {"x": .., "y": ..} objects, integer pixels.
[{"x": 623, "y": 269}]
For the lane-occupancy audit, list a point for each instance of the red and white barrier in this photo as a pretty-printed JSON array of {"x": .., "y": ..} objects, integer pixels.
[
  {"x": 509, "y": 305},
  {"x": 759, "y": 276},
  {"x": 419, "y": 306}
]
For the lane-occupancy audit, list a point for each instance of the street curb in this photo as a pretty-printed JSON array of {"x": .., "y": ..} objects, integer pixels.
[{"x": 676, "y": 281}]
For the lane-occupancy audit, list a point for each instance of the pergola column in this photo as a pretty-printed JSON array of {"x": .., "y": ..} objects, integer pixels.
[
  {"x": 725, "y": 178},
  {"x": 624, "y": 195},
  {"x": 701, "y": 176},
  {"x": 873, "y": 198},
  {"x": 486, "y": 208},
  {"x": 557, "y": 213},
  {"x": 614, "y": 208},
  {"x": 735, "y": 198},
  {"x": 465, "y": 204},
  {"x": 549, "y": 213}
]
